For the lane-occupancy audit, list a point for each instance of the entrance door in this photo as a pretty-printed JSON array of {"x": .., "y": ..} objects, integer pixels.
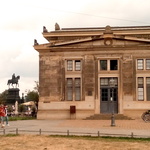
[{"x": 108, "y": 96}]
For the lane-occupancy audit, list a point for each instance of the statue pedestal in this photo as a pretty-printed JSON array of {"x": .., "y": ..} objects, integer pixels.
[{"x": 13, "y": 96}]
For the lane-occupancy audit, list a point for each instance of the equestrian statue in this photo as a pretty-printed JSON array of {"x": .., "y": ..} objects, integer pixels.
[{"x": 13, "y": 81}]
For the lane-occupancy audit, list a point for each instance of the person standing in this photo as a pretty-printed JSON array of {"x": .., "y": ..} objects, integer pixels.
[
  {"x": 6, "y": 115},
  {"x": 2, "y": 115}
]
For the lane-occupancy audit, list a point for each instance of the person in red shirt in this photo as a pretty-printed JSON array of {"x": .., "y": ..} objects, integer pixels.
[{"x": 2, "y": 115}]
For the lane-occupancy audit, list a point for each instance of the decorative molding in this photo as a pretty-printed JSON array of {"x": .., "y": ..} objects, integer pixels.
[{"x": 108, "y": 41}]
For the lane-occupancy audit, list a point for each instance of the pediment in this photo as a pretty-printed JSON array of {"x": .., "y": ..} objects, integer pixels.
[
  {"x": 104, "y": 40},
  {"x": 73, "y": 38}
]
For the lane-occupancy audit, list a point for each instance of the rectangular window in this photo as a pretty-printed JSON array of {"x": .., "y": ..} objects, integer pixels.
[
  {"x": 140, "y": 64},
  {"x": 73, "y": 89},
  {"x": 113, "y": 65},
  {"x": 140, "y": 89},
  {"x": 69, "y": 89},
  {"x": 148, "y": 88},
  {"x": 147, "y": 64},
  {"x": 77, "y": 65},
  {"x": 69, "y": 65},
  {"x": 73, "y": 65},
  {"x": 108, "y": 64},
  {"x": 103, "y": 64},
  {"x": 77, "y": 89}
]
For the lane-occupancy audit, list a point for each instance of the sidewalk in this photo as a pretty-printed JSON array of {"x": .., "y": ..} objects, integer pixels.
[{"x": 138, "y": 128}]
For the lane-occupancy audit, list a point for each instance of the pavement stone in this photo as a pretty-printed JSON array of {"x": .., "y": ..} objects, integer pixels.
[{"x": 128, "y": 128}]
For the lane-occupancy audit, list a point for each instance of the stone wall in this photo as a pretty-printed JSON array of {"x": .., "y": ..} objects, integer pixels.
[
  {"x": 50, "y": 78},
  {"x": 89, "y": 75}
]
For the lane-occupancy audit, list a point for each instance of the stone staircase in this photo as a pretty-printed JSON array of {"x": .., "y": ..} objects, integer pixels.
[{"x": 108, "y": 117}]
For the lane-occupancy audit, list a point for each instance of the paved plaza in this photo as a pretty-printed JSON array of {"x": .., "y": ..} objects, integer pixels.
[{"x": 136, "y": 128}]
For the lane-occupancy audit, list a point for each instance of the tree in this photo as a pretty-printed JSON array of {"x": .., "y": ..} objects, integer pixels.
[
  {"x": 36, "y": 88},
  {"x": 32, "y": 96},
  {"x": 3, "y": 97}
]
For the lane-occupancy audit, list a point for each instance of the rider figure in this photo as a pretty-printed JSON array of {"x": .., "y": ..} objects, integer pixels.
[{"x": 13, "y": 77}]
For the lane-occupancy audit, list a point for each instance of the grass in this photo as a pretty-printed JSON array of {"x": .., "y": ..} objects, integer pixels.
[
  {"x": 15, "y": 118},
  {"x": 102, "y": 137},
  {"x": 9, "y": 135},
  {"x": 89, "y": 138},
  {"x": 45, "y": 142}
]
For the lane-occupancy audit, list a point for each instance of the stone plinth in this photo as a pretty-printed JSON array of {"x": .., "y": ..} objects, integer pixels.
[{"x": 13, "y": 96}]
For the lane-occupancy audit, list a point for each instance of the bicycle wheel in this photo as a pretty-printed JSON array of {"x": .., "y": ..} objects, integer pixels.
[
  {"x": 142, "y": 116},
  {"x": 146, "y": 117}
]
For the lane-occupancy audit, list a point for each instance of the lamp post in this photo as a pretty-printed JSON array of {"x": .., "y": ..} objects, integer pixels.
[{"x": 112, "y": 85}]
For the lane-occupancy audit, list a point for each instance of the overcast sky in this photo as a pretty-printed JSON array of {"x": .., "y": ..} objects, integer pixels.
[{"x": 22, "y": 21}]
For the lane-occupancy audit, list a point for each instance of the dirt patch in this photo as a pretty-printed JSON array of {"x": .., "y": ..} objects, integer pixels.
[{"x": 34, "y": 142}]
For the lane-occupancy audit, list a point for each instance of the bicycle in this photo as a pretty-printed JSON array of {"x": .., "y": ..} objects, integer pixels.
[{"x": 146, "y": 116}]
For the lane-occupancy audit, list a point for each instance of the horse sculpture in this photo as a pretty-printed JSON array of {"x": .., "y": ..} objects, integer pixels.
[{"x": 13, "y": 81}]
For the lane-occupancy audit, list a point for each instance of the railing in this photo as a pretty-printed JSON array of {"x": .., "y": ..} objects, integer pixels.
[{"x": 68, "y": 133}]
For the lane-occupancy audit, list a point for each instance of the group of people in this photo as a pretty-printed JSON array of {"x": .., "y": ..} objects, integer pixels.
[{"x": 3, "y": 115}]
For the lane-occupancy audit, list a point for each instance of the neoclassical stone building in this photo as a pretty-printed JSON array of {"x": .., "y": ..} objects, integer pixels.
[{"x": 77, "y": 66}]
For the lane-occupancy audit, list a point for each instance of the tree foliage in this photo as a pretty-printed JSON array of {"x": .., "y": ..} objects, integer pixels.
[
  {"x": 32, "y": 96},
  {"x": 36, "y": 88},
  {"x": 3, "y": 97}
]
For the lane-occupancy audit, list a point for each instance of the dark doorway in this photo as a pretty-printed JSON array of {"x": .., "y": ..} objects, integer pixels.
[{"x": 108, "y": 96}]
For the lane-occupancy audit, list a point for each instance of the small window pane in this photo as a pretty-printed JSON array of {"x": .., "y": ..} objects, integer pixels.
[
  {"x": 77, "y": 89},
  {"x": 147, "y": 63},
  {"x": 104, "y": 81},
  {"x": 148, "y": 88},
  {"x": 140, "y": 82},
  {"x": 140, "y": 64},
  {"x": 103, "y": 64},
  {"x": 104, "y": 94},
  {"x": 140, "y": 94},
  {"x": 69, "y": 65},
  {"x": 148, "y": 80},
  {"x": 77, "y": 65},
  {"x": 69, "y": 89},
  {"x": 113, "y": 82},
  {"x": 77, "y": 82},
  {"x": 113, "y": 65}
]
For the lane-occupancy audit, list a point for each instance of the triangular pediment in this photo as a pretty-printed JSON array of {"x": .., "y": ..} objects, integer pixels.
[
  {"x": 104, "y": 40},
  {"x": 87, "y": 38}
]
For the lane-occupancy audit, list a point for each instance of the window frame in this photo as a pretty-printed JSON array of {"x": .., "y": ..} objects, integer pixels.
[
  {"x": 140, "y": 88},
  {"x": 69, "y": 65},
  {"x": 76, "y": 90},
  {"x": 69, "y": 89},
  {"x": 108, "y": 64},
  {"x": 140, "y": 66},
  {"x": 105, "y": 67},
  {"x": 74, "y": 66},
  {"x": 143, "y": 88},
  {"x": 147, "y": 64},
  {"x": 144, "y": 65}
]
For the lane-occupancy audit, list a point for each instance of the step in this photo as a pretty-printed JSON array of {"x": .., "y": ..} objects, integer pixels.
[{"x": 108, "y": 117}]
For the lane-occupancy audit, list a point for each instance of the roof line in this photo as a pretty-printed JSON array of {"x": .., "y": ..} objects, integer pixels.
[{"x": 112, "y": 27}]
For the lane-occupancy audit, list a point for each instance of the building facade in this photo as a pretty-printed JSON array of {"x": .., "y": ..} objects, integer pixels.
[{"x": 87, "y": 71}]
